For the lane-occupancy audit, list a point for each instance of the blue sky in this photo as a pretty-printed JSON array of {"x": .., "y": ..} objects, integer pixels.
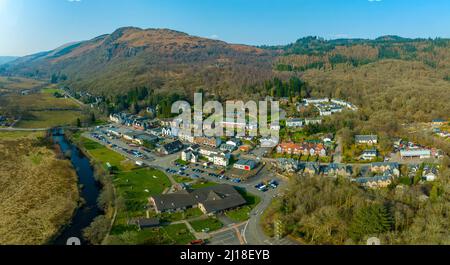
[{"x": 28, "y": 26}]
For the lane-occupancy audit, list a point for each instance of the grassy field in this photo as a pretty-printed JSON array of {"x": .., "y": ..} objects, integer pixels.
[
  {"x": 38, "y": 191},
  {"x": 18, "y": 83},
  {"x": 41, "y": 102},
  {"x": 135, "y": 187},
  {"x": 41, "y": 110},
  {"x": 210, "y": 224},
  {"x": 48, "y": 119},
  {"x": 103, "y": 155},
  {"x": 242, "y": 214},
  {"x": 170, "y": 235}
]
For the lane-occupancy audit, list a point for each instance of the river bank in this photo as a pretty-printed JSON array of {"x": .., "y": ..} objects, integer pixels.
[{"x": 89, "y": 191}]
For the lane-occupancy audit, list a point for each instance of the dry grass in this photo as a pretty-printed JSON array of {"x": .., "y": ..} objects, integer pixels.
[
  {"x": 38, "y": 191},
  {"x": 18, "y": 83}
]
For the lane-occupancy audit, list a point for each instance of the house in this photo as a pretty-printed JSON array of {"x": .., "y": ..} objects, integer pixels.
[
  {"x": 327, "y": 139},
  {"x": 311, "y": 101},
  {"x": 313, "y": 121},
  {"x": 114, "y": 131},
  {"x": 171, "y": 148},
  {"x": 245, "y": 164},
  {"x": 275, "y": 127},
  {"x": 430, "y": 173},
  {"x": 205, "y": 151},
  {"x": 366, "y": 139},
  {"x": 222, "y": 159},
  {"x": 228, "y": 147},
  {"x": 234, "y": 142},
  {"x": 186, "y": 137},
  {"x": 294, "y": 123},
  {"x": 288, "y": 165},
  {"x": 145, "y": 138},
  {"x": 383, "y": 167},
  {"x": 219, "y": 158},
  {"x": 369, "y": 154},
  {"x": 209, "y": 200},
  {"x": 269, "y": 142},
  {"x": 415, "y": 153},
  {"x": 191, "y": 154},
  {"x": 438, "y": 122},
  {"x": 130, "y": 135},
  {"x": 379, "y": 181},
  {"x": 244, "y": 148},
  {"x": 311, "y": 168},
  {"x": 214, "y": 142},
  {"x": 169, "y": 132},
  {"x": 334, "y": 169},
  {"x": 312, "y": 149}
]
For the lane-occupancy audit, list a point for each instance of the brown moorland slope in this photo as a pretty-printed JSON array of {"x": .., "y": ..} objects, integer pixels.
[
  {"x": 38, "y": 191},
  {"x": 163, "y": 59}
]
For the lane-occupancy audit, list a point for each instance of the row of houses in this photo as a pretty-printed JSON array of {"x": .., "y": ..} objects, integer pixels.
[
  {"x": 313, "y": 149},
  {"x": 313, "y": 168},
  {"x": 375, "y": 175},
  {"x": 137, "y": 137},
  {"x": 328, "y": 107},
  {"x": 138, "y": 123},
  {"x": 378, "y": 175},
  {"x": 366, "y": 139},
  {"x": 299, "y": 123},
  {"x": 193, "y": 154}
]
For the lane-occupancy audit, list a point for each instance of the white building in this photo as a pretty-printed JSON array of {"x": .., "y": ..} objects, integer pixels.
[
  {"x": 310, "y": 101},
  {"x": 294, "y": 123},
  {"x": 313, "y": 121},
  {"x": 415, "y": 153}
]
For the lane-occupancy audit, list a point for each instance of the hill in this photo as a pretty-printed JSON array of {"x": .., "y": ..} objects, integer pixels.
[
  {"x": 7, "y": 59},
  {"x": 162, "y": 59}
]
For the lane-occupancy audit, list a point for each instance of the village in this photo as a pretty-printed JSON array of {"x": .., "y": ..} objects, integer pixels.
[{"x": 237, "y": 159}]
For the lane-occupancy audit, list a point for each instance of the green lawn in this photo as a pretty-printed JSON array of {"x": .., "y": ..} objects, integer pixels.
[
  {"x": 212, "y": 224},
  {"x": 102, "y": 154},
  {"x": 179, "y": 233},
  {"x": 51, "y": 91},
  {"x": 170, "y": 235},
  {"x": 136, "y": 186},
  {"x": 203, "y": 184},
  {"x": 242, "y": 214},
  {"x": 180, "y": 179}
]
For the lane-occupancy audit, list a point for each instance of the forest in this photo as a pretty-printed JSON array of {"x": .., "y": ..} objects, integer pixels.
[{"x": 326, "y": 211}]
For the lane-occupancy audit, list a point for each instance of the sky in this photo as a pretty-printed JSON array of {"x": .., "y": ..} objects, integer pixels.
[{"x": 30, "y": 26}]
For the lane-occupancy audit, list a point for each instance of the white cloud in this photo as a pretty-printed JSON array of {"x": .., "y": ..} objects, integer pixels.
[
  {"x": 214, "y": 36},
  {"x": 373, "y": 1},
  {"x": 74, "y": 1}
]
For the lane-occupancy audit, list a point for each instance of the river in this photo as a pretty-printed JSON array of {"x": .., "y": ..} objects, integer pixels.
[{"x": 90, "y": 190}]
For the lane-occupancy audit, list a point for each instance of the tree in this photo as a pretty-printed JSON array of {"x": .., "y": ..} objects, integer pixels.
[
  {"x": 78, "y": 122},
  {"x": 368, "y": 221},
  {"x": 97, "y": 230},
  {"x": 93, "y": 119}
]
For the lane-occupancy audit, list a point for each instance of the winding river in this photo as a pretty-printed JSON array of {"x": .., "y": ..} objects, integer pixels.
[{"x": 90, "y": 190}]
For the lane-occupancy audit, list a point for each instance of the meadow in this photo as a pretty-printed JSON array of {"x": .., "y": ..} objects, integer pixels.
[{"x": 38, "y": 192}]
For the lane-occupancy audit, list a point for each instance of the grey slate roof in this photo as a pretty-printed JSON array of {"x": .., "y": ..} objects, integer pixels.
[{"x": 214, "y": 199}]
